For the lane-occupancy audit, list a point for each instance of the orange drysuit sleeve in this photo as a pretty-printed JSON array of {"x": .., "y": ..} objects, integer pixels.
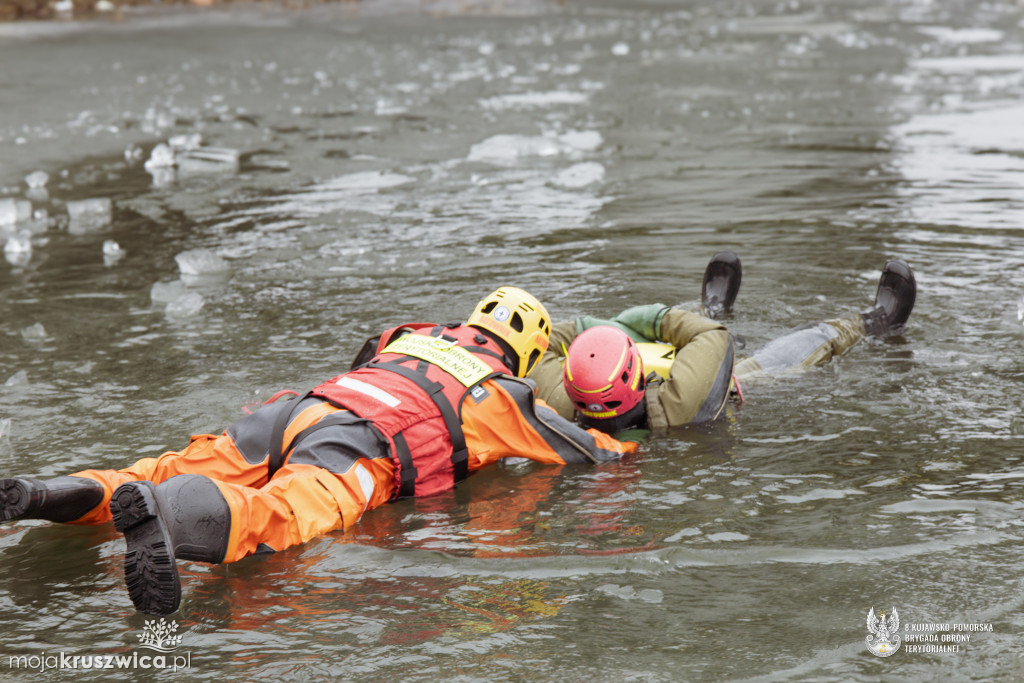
[{"x": 509, "y": 421}]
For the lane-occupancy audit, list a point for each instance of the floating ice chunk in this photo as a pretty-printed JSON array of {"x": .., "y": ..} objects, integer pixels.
[
  {"x": 98, "y": 206},
  {"x": 507, "y": 149},
  {"x": 105, "y": 6},
  {"x": 37, "y": 194},
  {"x": 37, "y": 179},
  {"x": 651, "y": 595},
  {"x": 5, "y": 427},
  {"x": 18, "y": 250},
  {"x": 8, "y": 211},
  {"x": 87, "y": 215},
  {"x": 162, "y": 175},
  {"x": 620, "y": 49},
  {"x": 64, "y": 6},
  {"x": 529, "y": 100},
  {"x": 580, "y": 175},
  {"x": 485, "y": 48},
  {"x": 133, "y": 153},
  {"x": 162, "y": 156},
  {"x": 34, "y": 333},
  {"x": 726, "y": 536},
  {"x": 185, "y": 141},
  {"x": 200, "y": 262},
  {"x": 208, "y": 160},
  {"x": 20, "y": 377},
  {"x": 166, "y": 292},
  {"x": 14, "y": 210},
  {"x": 186, "y": 305},
  {"x": 1020, "y": 310},
  {"x": 583, "y": 140},
  {"x": 112, "y": 252}
]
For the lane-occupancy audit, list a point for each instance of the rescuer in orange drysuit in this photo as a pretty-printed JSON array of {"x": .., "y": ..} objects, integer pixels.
[{"x": 423, "y": 406}]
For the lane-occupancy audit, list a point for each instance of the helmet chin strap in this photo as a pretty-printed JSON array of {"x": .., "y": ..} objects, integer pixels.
[{"x": 634, "y": 417}]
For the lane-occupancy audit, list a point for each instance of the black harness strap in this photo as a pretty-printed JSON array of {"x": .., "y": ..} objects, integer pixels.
[
  {"x": 407, "y": 485},
  {"x": 435, "y": 390},
  {"x": 277, "y": 452},
  {"x": 487, "y": 352}
]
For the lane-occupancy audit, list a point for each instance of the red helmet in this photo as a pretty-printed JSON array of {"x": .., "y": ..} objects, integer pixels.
[{"x": 603, "y": 373}]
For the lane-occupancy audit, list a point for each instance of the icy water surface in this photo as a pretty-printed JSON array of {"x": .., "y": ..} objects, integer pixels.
[{"x": 338, "y": 173}]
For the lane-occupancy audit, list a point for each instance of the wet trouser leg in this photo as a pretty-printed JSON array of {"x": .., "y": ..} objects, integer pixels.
[
  {"x": 803, "y": 347},
  {"x": 302, "y": 502},
  {"x": 213, "y": 456},
  {"x": 84, "y": 497},
  {"x": 238, "y": 456},
  {"x": 331, "y": 476}
]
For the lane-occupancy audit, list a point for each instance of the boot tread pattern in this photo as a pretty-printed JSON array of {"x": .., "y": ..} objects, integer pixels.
[
  {"x": 151, "y": 575},
  {"x": 15, "y": 499},
  {"x": 150, "y": 570}
]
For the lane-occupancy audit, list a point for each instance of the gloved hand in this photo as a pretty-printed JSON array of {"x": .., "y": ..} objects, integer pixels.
[
  {"x": 645, "y": 320},
  {"x": 641, "y": 323},
  {"x": 636, "y": 436}
]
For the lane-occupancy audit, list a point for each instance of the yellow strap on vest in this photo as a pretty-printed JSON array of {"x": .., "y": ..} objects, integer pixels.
[
  {"x": 447, "y": 355},
  {"x": 657, "y": 357}
]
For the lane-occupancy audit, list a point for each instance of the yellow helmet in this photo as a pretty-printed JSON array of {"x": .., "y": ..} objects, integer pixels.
[{"x": 520, "y": 320}]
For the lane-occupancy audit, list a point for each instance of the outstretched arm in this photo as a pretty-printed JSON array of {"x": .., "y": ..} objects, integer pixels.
[
  {"x": 511, "y": 422},
  {"x": 699, "y": 379}
]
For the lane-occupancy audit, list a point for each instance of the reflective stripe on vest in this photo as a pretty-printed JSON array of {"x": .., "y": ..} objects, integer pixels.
[{"x": 412, "y": 392}]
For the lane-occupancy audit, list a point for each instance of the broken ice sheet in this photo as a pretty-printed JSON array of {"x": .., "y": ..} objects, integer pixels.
[
  {"x": 34, "y": 333},
  {"x": 18, "y": 250},
  {"x": 88, "y": 215},
  {"x": 201, "y": 265},
  {"x": 186, "y": 305},
  {"x": 112, "y": 252},
  {"x": 208, "y": 160},
  {"x": 20, "y": 377},
  {"x": 37, "y": 179},
  {"x": 166, "y": 292},
  {"x": 14, "y": 210}
]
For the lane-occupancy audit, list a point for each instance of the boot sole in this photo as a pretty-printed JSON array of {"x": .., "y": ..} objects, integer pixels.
[
  {"x": 722, "y": 279},
  {"x": 899, "y": 281},
  {"x": 15, "y": 499},
  {"x": 150, "y": 570}
]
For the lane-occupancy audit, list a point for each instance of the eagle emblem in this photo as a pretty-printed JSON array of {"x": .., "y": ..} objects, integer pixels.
[{"x": 884, "y": 639}]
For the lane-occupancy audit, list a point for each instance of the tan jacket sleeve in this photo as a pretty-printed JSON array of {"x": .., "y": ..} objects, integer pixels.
[
  {"x": 548, "y": 373},
  {"x": 699, "y": 379}
]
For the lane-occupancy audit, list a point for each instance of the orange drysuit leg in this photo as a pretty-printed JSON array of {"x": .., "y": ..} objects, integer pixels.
[
  {"x": 216, "y": 457},
  {"x": 303, "y": 501}
]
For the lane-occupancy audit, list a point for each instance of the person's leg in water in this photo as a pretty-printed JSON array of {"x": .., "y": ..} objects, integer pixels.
[
  {"x": 331, "y": 477},
  {"x": 237, "y": 456},
  {"x": 222, "y": 507},
  {"x": 817, "y": 343}
]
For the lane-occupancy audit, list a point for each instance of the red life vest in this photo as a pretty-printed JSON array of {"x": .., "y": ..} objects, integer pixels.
[{"x": 417, "y": 403}]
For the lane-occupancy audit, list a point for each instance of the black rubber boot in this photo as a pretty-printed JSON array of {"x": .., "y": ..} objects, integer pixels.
[
  {"x": 897, "y": 291},
  {"x": 186, "y": 518},
  {"x": 63, "y": 499},
  {"x": 721, "y": 283}
]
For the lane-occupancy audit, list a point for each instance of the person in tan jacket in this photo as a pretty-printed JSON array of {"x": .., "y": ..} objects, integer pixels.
[{"x": 594, "y": 368}]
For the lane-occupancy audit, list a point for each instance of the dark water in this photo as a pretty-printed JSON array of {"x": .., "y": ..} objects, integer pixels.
[{"x": 396, "y": 164}]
